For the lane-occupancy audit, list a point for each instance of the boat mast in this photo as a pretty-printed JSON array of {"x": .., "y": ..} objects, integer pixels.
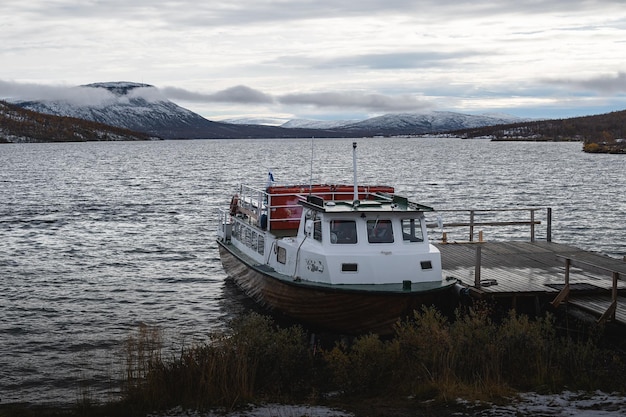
[
  {"x": 356, "y": 186},
  {"x": 311, "y": 173}
]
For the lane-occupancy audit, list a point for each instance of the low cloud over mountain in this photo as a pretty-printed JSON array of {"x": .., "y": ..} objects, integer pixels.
[{"x": 144, "y": 108}]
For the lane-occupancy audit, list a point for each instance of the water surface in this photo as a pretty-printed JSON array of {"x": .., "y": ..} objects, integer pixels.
[{"x": 97, "y": 238}]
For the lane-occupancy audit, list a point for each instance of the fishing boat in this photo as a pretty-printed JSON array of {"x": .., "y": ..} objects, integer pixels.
[{"x": 345, "y": 258}]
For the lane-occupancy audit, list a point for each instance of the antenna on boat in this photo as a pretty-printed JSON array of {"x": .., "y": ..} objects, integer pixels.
[
  {"x": 356, "y": 186},
  {"x": 311, "y": 174}
]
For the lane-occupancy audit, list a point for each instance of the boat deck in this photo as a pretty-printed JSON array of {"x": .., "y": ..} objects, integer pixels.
[{"x": 537, "y": 271}]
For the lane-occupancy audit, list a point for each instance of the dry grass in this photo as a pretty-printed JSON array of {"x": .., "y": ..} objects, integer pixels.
[
  {"x": 255, "y": 359},
  {"x": 430, "y": 358},
  {"x": 472, "y": 357}
]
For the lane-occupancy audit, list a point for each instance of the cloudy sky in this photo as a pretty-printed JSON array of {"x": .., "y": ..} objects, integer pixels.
[{"x": 326, "y": 59}]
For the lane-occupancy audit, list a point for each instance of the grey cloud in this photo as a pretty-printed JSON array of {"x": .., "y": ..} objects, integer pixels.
[
  {"x": 369, "y": 102},
  {"x": 74, "y": 95},
  {"x": 251, "y": 12},
  {"x": 96, "y": 97},
  {"x": 350, "y": 100},
  {"x": 606, "y": 84},
  {"x": 237, "y": 94},
  {"x": 603, "y": 84},
  {"x": 150, "y": 94},
  {"x": 77, "y": 95},
  {"x": 242, "y": 12}
]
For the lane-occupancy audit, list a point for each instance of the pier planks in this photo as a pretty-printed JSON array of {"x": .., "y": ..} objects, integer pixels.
[{"x": 521, "y": 269}]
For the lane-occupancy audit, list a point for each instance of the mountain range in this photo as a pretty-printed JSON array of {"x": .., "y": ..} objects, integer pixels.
[{"x": 141, "y": 108}]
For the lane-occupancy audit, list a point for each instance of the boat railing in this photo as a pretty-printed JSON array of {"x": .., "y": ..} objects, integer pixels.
[
  {"x": 252, "y": 200},
  {"x": 515, "y": 220},
  {"x": 259, "y": 209},
  {"x": 281, "y": 210},
  {"x": 256, "y": 203},
  {"x": 563, "y": 295},
  {"x": 241, "y": 229}
]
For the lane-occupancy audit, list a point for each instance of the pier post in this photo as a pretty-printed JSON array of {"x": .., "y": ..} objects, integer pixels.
[
  {"x": 471, "y": 226},
  {"x": 564, "y": 293},
  {"x": 615, "y": 276},
  {"x": 477, "y": 267},
  {"x": 549, "y": 227},
  {"x": 532, "y": 225},
  {"x": 610, "y": 312}
]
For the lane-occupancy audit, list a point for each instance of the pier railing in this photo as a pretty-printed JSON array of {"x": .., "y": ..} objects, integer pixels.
[
  {"x": 477, "y": 219},
  {"x": 564, "y": 294}
]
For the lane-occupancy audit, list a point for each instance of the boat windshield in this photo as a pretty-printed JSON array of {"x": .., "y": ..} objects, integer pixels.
[
  {"x": 343, "y": 231},
  {"x": 379, "y": 231},
  {"x": 412, "y": 230}
]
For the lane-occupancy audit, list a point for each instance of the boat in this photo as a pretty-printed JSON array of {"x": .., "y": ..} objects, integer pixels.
[{"x": 345, "y": 258}]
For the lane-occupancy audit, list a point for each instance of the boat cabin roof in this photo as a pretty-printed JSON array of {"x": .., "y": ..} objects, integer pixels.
[{"x": 384, "y": 204}]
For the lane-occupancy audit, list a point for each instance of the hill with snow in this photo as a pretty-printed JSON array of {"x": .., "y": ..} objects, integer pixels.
[
  {"x": 133, "y": 106},
  {"x": 142, "y": 108},
  {"x": 317, "y": 124},
  {"x": 402, "y": 124},
  {"x": 426, "y": 123},
  {"x": 18, "y": 125}
]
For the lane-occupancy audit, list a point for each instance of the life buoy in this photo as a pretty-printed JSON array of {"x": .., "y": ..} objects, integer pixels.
[{"x": 234, "y": 205}]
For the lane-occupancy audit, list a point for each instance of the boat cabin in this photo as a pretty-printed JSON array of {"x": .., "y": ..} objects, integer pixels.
[{"x": 321, "y": 234}]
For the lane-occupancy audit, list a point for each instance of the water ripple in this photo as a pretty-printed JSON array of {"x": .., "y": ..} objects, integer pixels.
[{"x": 100, "y": 237}]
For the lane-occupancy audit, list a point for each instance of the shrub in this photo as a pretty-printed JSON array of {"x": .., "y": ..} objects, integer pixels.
[
  {"x": 430, "y": 357},
  {"x": 365, "y": 367},
  {"x": 254, "y": 359},
  {"x": 591, "y": 147}
]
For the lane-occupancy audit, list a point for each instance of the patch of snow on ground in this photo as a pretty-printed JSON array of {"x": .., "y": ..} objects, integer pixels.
[
  {"x": 568, "y": 403},
  {"x": 268, "y": 410}
]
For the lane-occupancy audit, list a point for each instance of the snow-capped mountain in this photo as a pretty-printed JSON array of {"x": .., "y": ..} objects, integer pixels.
[
  {"x": 395, "y": 124},
  {"x": 262, "y": 121},
  {"x": 142, "y": 108},
  {"x": 134, "y": 106},
  {"x": 430, "y": 122},
  {"x": 317, "y": 124}
]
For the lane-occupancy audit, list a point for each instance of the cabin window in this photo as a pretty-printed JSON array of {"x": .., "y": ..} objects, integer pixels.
[
  {"x": 317, "y": 230},
  {"x": 253, "y": 242},
  {"x": 311, "y": 217},
  {"x": 379, "y": 231},
  {"x": 426, "y": 264},
  {"x": 261, "y": 245},
  {"x": 412, "y": 230},
  {"x": 342, "y": 231},
  {"x": 281, "y": 255},
  {"x": 247, "y": 237},
  {"x": 349, "y": 267}
]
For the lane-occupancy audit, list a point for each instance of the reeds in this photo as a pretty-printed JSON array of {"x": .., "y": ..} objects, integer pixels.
[
  {"x": 255, "y": 359},
  {"x": 474, "y": 357},
  {"x": 430, "y": 357}
]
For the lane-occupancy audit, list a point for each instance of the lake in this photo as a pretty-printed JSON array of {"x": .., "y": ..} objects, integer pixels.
[{"x": 99, "y": 238}]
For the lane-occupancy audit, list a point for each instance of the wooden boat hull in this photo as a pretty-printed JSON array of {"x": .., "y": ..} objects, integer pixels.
[{"x": 356, "y": 309}]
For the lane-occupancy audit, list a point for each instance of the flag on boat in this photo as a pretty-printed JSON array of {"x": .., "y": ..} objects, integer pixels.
[{"x": 270, "y": 179}]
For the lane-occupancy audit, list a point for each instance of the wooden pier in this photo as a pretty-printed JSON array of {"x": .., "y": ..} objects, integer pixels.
[{"x": 538, "y": 273}]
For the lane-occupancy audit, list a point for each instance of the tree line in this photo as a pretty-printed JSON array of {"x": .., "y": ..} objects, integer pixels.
[
  {"x": 598, "y": 128},
  {"x": 21, "y": 125}
]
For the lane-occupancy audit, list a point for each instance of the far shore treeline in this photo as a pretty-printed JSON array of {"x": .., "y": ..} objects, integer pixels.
[{"x": 604, "y": 133}]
